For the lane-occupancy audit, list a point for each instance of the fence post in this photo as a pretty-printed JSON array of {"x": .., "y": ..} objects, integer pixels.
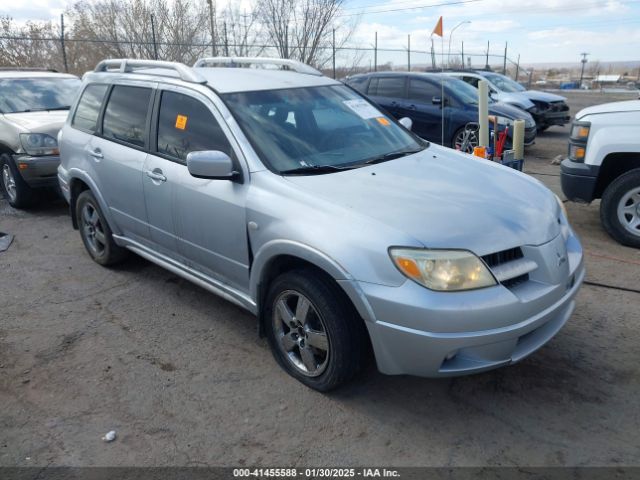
[
  {"x": 153, "y": 37},
  {"x": 487, "y": 62},
  {"x": 504, "y": 64},
  {"x": 409, "y": 52},
  {"x": 375, "y": 54},
  {"x": 334, "y": 53},
  {"x": 226, "y": 40},
  {"x": 64, "y": 51},
  {"x": 463, "y": 54},
  {"x": 517, "y": 68}
]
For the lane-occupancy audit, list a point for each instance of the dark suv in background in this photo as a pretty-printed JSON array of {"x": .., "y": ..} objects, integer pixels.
[{"x": 419, "y": 96}]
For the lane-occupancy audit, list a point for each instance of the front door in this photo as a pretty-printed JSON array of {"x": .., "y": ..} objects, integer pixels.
[
  {"x": 201, "y": 220},
  {"x": 419, "y": 106}
]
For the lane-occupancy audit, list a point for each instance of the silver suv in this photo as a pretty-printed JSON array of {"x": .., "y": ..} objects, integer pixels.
[
  {"x": 33, "y": 107},
  {"x": 291, "y": 195}
]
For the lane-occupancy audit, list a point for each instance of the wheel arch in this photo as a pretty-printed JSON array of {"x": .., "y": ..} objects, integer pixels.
[
  {"x": 613, "y": 166},
  {"x": 78, "y": 183},
  {"x": 279, "y": 257}
]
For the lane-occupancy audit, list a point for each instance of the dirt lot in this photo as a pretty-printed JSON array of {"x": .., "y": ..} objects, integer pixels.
[{"x": 182, "y": 377}]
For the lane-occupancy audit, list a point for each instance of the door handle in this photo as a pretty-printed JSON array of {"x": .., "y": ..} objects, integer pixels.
[
  {"x": 96, "y": 154},
  {"x": 156, "y": 175}
]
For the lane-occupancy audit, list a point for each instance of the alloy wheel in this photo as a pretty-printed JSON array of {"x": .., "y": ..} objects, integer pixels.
[
  {"x": 300, "y": 333},
  {"x": 629, "y": 211},
  {"x": 472, "y": 142},
  {"x": 93, "y": 230},
  {"x": 9, "y": 182}
]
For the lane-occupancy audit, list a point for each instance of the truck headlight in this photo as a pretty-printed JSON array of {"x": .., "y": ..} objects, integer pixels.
[
  {"x": 39, "y": 144},
  {"x": 442, "y": 270},
  {"x": 580, "y": 131},
  {"x": 577, "y": 153}
]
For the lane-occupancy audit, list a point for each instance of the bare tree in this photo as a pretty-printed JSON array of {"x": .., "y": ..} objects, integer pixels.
[
  {"x": 240, "y": 32},
  {"x": 31, "y": 45},
  {"x": 304, "y": 29}
]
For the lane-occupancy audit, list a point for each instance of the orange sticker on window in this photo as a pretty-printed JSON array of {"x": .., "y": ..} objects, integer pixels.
[
  {"x": 383, "y": 121},
  {"x": 181, "y": 122}
]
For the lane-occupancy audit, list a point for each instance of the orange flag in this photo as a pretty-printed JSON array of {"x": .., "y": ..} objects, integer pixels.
[{"x": 438, "y": 29}]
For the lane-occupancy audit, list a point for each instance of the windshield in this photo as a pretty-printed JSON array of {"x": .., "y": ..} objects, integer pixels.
[
  {"x": 329, "y": 126},
  {"x": 37, "y": 94},
  {"x": 466, "y": 93},
  {"x": 504, "y": 84}
]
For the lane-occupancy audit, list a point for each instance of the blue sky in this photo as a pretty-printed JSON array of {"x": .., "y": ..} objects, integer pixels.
[{"x": 541, "y": 31}]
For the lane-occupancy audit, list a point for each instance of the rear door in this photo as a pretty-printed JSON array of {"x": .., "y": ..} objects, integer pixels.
[
  {"x": 388, "y": 92},
  {"x": 200, "y": 221},
  {"x": 119, "y": 152}
]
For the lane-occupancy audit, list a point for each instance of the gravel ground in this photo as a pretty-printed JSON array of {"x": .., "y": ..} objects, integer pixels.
[{"x": 183, "y": 379}]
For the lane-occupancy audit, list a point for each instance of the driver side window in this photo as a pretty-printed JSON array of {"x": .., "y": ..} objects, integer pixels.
[{"x": 187, "y": 125}]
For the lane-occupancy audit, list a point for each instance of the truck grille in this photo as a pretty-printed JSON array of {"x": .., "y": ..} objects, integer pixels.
[
  {"x": 559, "y": 107},
  {"x": 510, "y": 267}
]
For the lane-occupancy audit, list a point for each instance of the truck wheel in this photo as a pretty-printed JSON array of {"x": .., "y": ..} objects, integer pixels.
[
  {"x": 314, "y": 332},
  {"x": 95, "y": 232},
  {"x": 18, "y": 193},
  {"x": 620, "y": 209}
]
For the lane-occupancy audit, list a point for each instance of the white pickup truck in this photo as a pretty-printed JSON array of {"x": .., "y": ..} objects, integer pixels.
[{"x": 604, "y": 162}]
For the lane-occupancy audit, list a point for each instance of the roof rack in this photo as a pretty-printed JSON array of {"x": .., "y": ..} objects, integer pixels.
[
  {"x": 288, "y": 64},
  {"x": 28, "y": 69},
  {"x": 127, "y": 65}
]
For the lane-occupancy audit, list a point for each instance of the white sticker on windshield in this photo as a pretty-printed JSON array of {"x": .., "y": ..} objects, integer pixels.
[{"x": 363, "y": 108}]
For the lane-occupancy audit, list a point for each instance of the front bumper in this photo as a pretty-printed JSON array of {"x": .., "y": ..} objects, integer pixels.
[
  {"x": 434, "y": 334},
  {"x": 578, "y": 181},
  {"x": 38, "y": 171}
]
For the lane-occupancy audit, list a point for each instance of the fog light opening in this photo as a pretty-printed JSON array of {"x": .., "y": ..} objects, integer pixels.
[{"x": 451, "y": 355}]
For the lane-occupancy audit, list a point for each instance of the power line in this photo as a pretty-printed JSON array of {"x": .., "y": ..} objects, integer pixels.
[{"x": 445, "y": 4}]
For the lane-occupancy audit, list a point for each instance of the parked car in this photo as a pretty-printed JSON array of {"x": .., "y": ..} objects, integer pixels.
[
  {"x": 604, "y": 162},
  {"x": 293, "y": 196},
  {"x": 419, "y": 96},
  {"x": 547, "y": 109},
  {"x": 33, "y": 107}
]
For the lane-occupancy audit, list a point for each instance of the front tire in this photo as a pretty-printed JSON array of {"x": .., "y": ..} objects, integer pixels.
[
  {"x": 19, "y": 194},
  {"x": 620, "y": 209},
  {"x": 314, "y": 332},
  {"x": 95, "y": 232},
  {"x": 458, "y": 138}
]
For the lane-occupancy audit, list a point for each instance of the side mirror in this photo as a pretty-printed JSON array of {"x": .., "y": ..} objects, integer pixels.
[
  {"x": 211, "y": 164},
  {"x": 406, "y": 122},
  {"x": 436, "y": 101}
]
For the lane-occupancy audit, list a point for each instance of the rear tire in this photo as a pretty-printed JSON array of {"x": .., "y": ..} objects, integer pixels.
[
  {"x": 620, "y": 209},
  {"x": 314, "y": 332},
  {"x": 18, "y": 193},
  {"x": 95, "y": 232}
]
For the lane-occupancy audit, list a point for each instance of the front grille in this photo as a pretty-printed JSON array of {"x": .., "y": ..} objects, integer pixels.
[
  {"x": 559, "y": 107},
  {"x": 510, "y": 267},
  {"x": 498, "y": 258}
]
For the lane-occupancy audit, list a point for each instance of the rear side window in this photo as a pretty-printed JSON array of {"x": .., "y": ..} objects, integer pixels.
[
  {"x": 471, "y": 81},
  {"x": 359, "y": 83},
  {"x": 187, "y": 125},
  {"x": 125, "y": 117},
  {"x": 423, "y": 91},
  {"x": 387, "y": 87},
  {"x": 88, "y": 110}
]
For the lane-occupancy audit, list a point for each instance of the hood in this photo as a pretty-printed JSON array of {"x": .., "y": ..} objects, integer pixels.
[
  {"x": 544, "y": 96},
  {"x": 518, "y": 99},
  {"x": 39, "y": 122},
  {"x": 614, "y": 107},
  {"x": 511, "y": 112},
  {"x": 444, "y": 199}
]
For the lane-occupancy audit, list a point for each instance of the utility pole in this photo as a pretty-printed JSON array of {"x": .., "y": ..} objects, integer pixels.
[
  {"x": 584, "y": 62},
  {"x": 463, "y": 54},
  {"x": 212, "y": 16},
  {"x": 64, "y": 51},
  {"x": 409, "y": 52}
]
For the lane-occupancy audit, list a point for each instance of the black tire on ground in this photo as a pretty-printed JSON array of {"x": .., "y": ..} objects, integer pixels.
[
  {"x": 542, "y": 128},
  {"x": 624, "y": 189},
  {"x": 15, "y": 189},
  {"x": 331, "y": 311},
  {"x": 95, "y": 231},
  {"x": 473, "y": 143}
]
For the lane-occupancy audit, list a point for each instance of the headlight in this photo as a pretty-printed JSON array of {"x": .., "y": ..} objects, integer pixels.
[
  {"x": 577, "y": 153},
  {"x": 39, "y": 144},
  {"x": 564, "y": 222},
  {"x": 580, "y": 131},
  {"x": 442, "y": 270}
]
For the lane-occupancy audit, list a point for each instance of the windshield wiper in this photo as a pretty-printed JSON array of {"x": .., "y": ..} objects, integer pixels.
[
  {"x": 66, "y": 107},
  {"x": 390, "y": 156},
  {"x": 315, "y": 169}
]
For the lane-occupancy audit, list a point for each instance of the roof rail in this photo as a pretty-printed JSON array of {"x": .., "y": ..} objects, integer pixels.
[
  {"x": 288, "y": 64},
  {"x": 28, "y": 69},
  {"x": 128, "y": 65}
]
